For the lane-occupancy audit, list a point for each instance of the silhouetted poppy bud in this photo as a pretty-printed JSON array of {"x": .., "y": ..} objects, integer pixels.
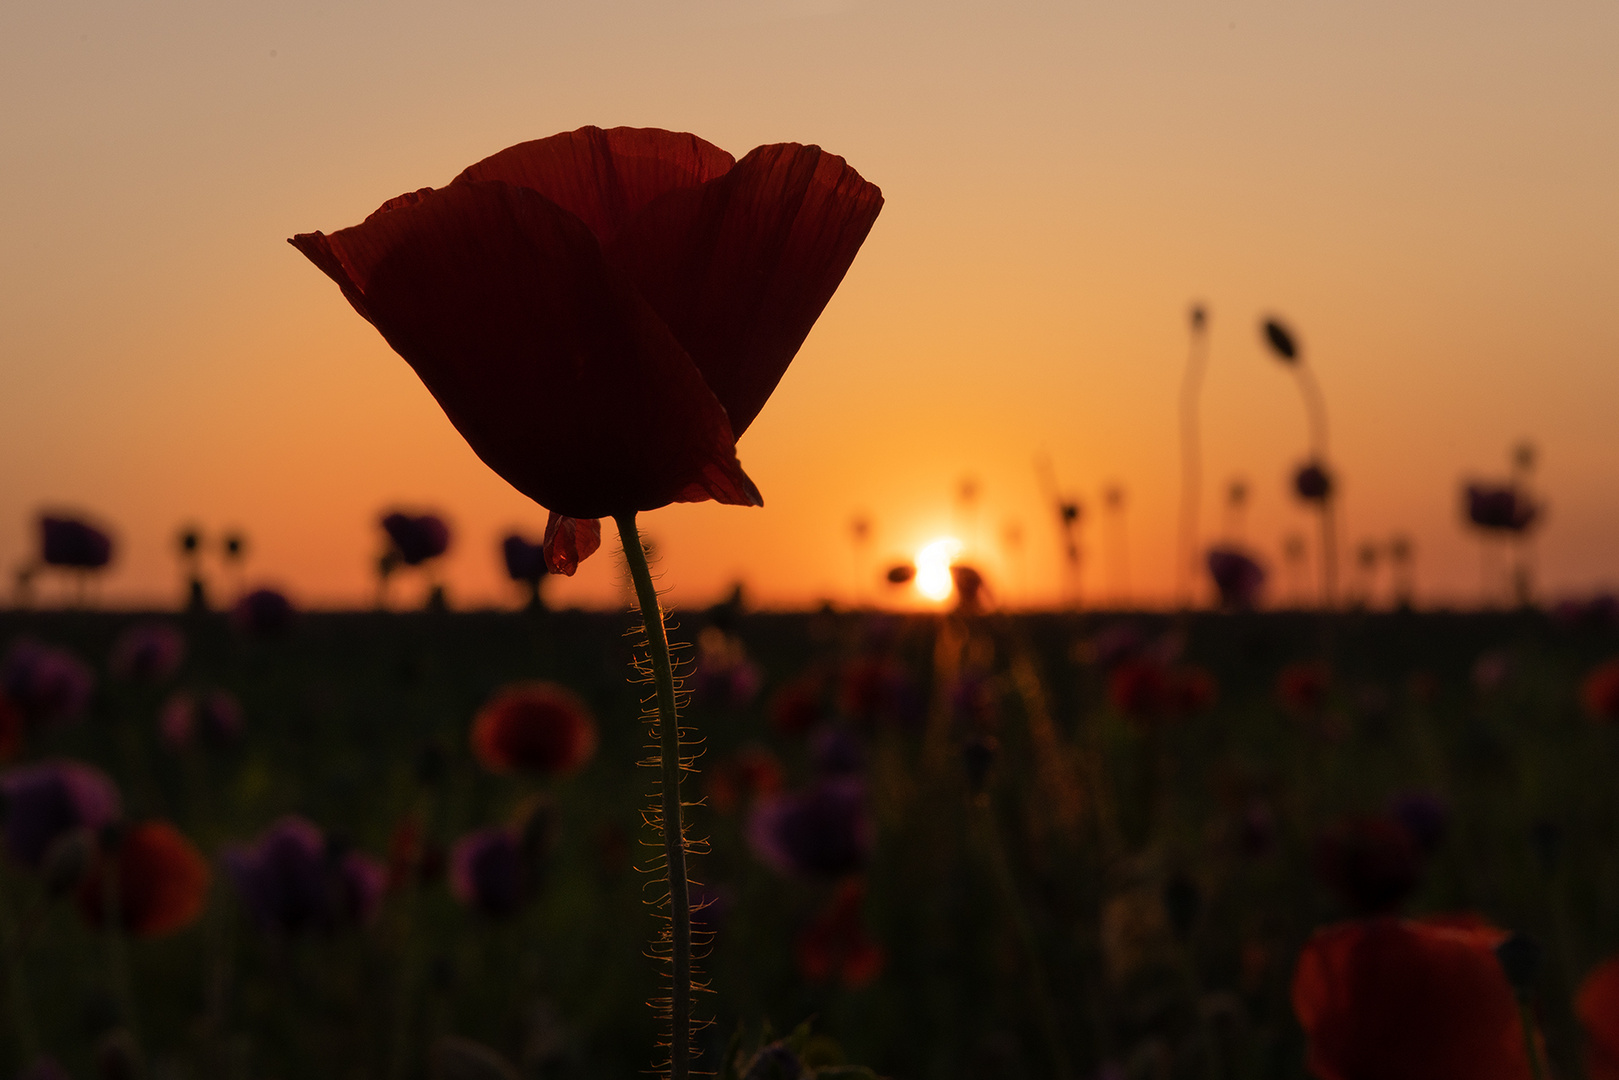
[
  {"x": 292, "y": 879},
  {"x": 978, "y": 755},
  {"x": 161, "y": 881},
  {"x": 525, "y": 562},
  {"x": 1183, "y": 901},
  {"x": 189, "y": 541},
  {"x": 1373, "y": 864},
  {"x": 537, "y": 727},
  {"x": 1280, "y": 340},
  {"x": 1425, "y": 816},
  {"x": 74, "y": 544},
  {"x": 417, "y": 537},
  {"x": 49, "y": 799},
  {"x": 824, "y": 831},
  {"x": 235, "y": 546},
  {"x": 1069, "y": 511},
  {"x": 263, "y": 613},
  {"x": 148, "y": 652},
  {"x": 1499, "y": 507},
  {"x": 1312, "y": 482},
  {"x": 901, "y": 574},
  {"x": 1198, "y": 317},
  {"x": 47, "y": 685},
  {"x": 1237, "y": 576},
  {"x": 1520, "y": 957}
]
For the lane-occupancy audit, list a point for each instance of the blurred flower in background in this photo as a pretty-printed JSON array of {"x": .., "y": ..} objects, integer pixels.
[
  {"x": 293, "y": 879},
  {"x": 49, "y": 799},
  {"x": 536, "y": 727},
  {"x": 158, "y": 881}
]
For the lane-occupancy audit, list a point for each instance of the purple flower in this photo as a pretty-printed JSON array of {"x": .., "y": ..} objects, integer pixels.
[
  {"x": 525, "y": 562},
  {"x": 263, "y": 613},
  {"x": 1499, "y": 507},
  {"x": 46, "y": 800},
  {"x": 723, "y": 674},
  {"x": 46, "y": 684},
  {"x": 216, "y": 715},
  {"x": 149, "y": 652},
  {"x": 824, "y": 831},
  {"x": 1425, "y": 815},
  {"x": 72, "y": 543},
  {"x": 1238, "y": 577},
  {"x": 294, "y": 879},
  {"x": 487, "y": 871},
  {"x": 417, "y": 537}
]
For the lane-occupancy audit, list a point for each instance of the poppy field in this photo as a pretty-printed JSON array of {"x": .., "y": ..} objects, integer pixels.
[{"x": 964, "y": 845}]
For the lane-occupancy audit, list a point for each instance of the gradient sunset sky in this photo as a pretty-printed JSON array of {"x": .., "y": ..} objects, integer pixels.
[{"x": 1429, "y": 193}]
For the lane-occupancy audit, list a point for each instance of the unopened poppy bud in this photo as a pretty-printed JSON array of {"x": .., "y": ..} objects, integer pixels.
[
  {"x": 1520, "y": 956},
  {"x": 901, "y": 574},
  {"x": 1183, "y": 900},
  {"x": 978, "y": 755},
  {"x": 462, "y": 1059}
]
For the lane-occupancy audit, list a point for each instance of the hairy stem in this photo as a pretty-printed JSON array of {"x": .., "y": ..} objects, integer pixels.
[{"x": 674, "y": 847}]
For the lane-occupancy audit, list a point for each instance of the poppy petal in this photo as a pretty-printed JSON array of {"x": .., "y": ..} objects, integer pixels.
[
  {"x": 561, "y": 378},
  {"x": 569, "y": 542},
  {"x": 741, "y": 267},
  {"x": 605, "y": 177}
]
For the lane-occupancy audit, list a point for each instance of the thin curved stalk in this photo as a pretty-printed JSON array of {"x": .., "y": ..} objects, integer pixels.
[
  {"x": 1191, "y": 462},
  {"x": 669, "y": 818}
]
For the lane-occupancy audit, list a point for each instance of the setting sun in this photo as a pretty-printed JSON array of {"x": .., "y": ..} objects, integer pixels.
[{"x": 933, "y": 578}]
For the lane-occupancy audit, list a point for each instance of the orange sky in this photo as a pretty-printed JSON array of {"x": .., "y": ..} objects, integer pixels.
[{"x": 1428, "y": 195}]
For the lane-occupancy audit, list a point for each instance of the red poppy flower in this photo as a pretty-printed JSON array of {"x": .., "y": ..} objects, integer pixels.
[
  {"x": 1393, "y": 999},
  {"x": 535, "y": 727},
  {"x": 1597, "y": 1005},
  {"x": 836, "y": 945},
  {"x": 162, "y": 881},
  {"x": 602, "y": 313},
  {"x": 1600, "y": 692}
]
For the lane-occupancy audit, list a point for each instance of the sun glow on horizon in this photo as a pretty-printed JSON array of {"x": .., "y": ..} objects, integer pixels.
[{"x": 933, "y": 577}]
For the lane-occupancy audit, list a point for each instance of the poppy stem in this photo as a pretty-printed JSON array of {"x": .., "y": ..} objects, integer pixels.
[{"x": 668, "y": 816}]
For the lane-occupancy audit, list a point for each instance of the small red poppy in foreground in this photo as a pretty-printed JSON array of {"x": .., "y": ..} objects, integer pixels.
[
  {"x": 1597, "y": 1006},
  {"x": 536, "y": 727},
  {"x": 161, "y": 881},
  {"x": 602, "y": 313},
  {"x": 1395, "y": 999}
]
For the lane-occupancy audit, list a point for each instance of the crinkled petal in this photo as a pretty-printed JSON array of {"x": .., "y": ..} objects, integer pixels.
[
  {"x": 741, "y": 267},
  {"x": 605, "y": 177},
  {"x": 570, "y": 541},
  {"x": 561, "y": 378}
]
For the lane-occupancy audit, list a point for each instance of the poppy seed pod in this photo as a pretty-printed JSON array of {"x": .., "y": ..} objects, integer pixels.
[
  {"x": 537, "y": 727},
  {"x": 1313, "y": 482},
  {"x": 574, "y": 300}
]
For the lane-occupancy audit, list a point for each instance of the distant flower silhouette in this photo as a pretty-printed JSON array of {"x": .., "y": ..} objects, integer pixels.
[
  {"x": 47, "y": 685},
  {"x": 1312, "y": 482},
  {"x": 1597, "y": 1005},
  {"x": 901, "y": 574},
  {"x": 1499, "y": 507},
  {"x": 525, "y": 565},
  {"x": 836, "y": 945},
  {"x": 1599, "y": 693},
  {"x": 1392, "y": 999},
  {"x": 149, "y": 652},
  {"x": 537, "y": 727},
  {"x": 1237, "y": 576},
  {"x": 1373, "y": 864},
  {"x": 416, "y": 537},
  {"x": 73, "y": 544},
  {"x": 575, "y": 300},
  {"x": 264, "y": 613},
  {"x": 49, "y": 799},
  {"x": 216, "y": 716},
  {"x": 161, "y": 881},
  {"x": 1280, "y": 339},
  {"x": 824, "y": 831},
  {"x": 294, "y": 879}
]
